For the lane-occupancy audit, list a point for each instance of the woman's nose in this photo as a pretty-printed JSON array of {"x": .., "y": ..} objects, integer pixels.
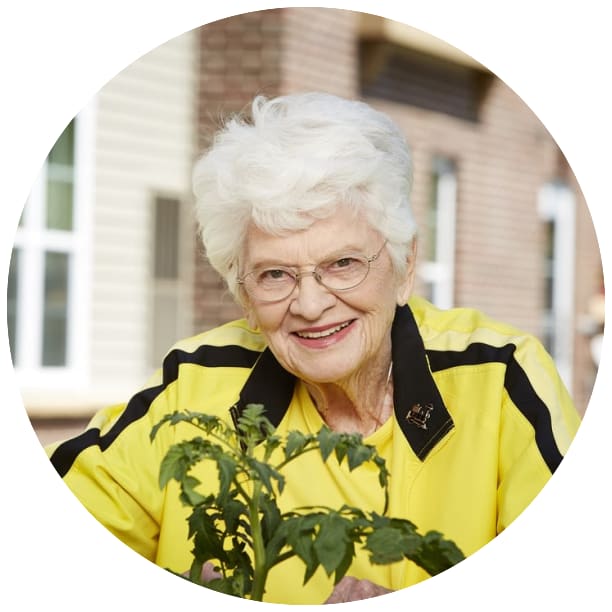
[{"x": 310, "y": 298}]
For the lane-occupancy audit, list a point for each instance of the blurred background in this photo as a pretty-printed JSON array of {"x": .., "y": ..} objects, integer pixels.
[{"x": 107, "y": 272}]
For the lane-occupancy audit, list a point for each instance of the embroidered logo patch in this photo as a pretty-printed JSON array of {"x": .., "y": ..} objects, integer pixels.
[{"x": 418, "y": 415}]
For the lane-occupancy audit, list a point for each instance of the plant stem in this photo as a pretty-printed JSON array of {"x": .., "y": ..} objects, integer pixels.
[{"x": 260, "y": 573}]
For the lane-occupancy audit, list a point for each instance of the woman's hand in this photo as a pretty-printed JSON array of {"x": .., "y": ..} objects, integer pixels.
[
  {"x": 353, "y": 589},
  {"x": 208, "y": 573}
]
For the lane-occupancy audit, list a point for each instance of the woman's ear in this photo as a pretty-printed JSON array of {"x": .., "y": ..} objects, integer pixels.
[{"x": 404, "y": 289}]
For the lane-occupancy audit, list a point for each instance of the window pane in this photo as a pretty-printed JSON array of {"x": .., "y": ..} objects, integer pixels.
[
  {"x": 60, "y": 181},
  {"x": 63, "y": 150},
  {"x": 59, "y": 203},
  {"x": 11, "y": 302},
  {"x": 55, "y": 309}
]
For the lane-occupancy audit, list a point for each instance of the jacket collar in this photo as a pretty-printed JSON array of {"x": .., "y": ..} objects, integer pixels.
[{"x": 419, "y": 408}]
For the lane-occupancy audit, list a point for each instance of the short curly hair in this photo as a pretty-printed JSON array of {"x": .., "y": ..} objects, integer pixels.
[{"x": 294, "y": 160}]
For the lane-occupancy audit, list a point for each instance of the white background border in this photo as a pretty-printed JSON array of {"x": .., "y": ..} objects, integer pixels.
[{"x": 56, "y": 55}]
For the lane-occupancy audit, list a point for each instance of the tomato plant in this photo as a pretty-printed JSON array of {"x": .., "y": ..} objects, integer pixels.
[{"x": 243, "y": 532}]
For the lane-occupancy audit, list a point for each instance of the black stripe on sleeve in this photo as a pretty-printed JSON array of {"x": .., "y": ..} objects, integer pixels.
[
  {"x": 517, "y": 385},
  {"x": 66, "y": 453},
  {"x": 209, "y": 356},
  {"x": 535, "y": 411}
]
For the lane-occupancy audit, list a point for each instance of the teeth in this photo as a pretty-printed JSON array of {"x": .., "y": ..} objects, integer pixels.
[{"x": 323, "y": 334}]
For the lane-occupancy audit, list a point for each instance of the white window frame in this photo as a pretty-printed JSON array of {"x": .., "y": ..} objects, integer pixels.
[
  {"x": 33, "y": 240},
  {"x": 439, "y": 273},
  {"x": 557, "y": 205}
]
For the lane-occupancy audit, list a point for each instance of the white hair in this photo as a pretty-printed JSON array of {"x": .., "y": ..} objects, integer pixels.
[{"x": 294, "y": 161}]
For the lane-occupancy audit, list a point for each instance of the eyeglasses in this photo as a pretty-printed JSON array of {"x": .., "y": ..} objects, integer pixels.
[{"x": 339, "y": 273}]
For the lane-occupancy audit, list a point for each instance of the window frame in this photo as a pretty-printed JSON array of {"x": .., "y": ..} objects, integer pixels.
[
  {"x": 34, "y": 240},
  {"x": 438, "y": 274},
  {"x": 556, "y": 204}
]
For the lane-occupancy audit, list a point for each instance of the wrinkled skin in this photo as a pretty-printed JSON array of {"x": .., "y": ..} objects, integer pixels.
[{"x": 353, "y": 589}]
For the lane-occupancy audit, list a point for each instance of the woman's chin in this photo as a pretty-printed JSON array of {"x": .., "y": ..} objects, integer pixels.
[{"x": 325, "y": 373}]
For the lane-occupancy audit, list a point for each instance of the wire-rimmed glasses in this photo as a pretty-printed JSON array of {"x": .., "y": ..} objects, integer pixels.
[{"x": 338, "y": 273}]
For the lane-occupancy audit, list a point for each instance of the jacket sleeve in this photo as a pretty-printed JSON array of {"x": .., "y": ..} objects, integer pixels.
[
  {"x": 537, "y": 424},
  {"x": 113, "y": 468}
]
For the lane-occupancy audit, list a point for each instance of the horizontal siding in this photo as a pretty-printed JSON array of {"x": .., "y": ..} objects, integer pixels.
[{"x": 145, "y": 146}]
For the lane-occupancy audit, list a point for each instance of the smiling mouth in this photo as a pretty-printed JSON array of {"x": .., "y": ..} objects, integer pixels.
[{"x": 313, "y": 335}]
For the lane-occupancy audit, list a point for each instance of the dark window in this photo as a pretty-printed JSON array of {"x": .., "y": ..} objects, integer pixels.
[{"x": 406, "y": 76}]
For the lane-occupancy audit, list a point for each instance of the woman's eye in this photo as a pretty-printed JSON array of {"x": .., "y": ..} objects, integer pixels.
[
  {"x": 272, "y": 275},
  {"x": 343, "y": 262}
]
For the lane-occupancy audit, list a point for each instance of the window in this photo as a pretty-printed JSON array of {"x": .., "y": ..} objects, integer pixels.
[
  {"x": 392, "y": 72},
  {"x": 556, "y": 207},
  {"x": 45, "y": 297},
  {"x": 171, "y": 301},
  {"x": 437, "y": 269}
]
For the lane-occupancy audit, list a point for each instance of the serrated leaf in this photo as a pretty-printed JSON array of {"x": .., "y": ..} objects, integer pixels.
[
  {"x": 208, "y": 542},
  {"x": 219, "y": 524},
  {"x": 226, "y": 467},
  {"x": 158, "y": 426},
  {"x": 389, "y": 545},
  {"x": 327, "y": 440},
  {"x": 271, "y": 516},
  {"x": 331, "y": 541},
  {"x": 265, "y": 473},
  {"x": 340, "y": 450},
  {"x": 343, "y": 566},
  {"x": 438, "y": 554},
  {"x": 296, "y": 441},
  {"x": 231, "y": 511},
  {"x": 174, "y": 465},
  {"x": 300, "y": 533},
  {"x": 189, "y": 496},
  {"x": 357, "y": 455}
]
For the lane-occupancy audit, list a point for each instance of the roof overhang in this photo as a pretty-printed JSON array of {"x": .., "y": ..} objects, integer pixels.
[{"x": 374, "y": 27}]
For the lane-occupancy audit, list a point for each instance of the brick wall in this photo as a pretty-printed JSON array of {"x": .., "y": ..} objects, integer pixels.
[
  {"x": 240, "y": 57},
  {"x": 502, "y": 152}
]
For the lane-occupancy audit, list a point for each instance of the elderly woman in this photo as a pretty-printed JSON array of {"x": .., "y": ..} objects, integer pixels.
[{"x": 304, "y": 210}]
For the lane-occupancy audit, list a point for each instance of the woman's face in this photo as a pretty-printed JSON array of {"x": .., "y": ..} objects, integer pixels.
[{"x": 318, "y": 335}]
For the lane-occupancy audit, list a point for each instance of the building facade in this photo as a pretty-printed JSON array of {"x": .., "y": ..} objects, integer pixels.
[{"x": 106, "y": 257}]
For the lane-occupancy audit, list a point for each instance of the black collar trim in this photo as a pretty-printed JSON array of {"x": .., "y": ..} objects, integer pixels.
[{"x": 419, "y": 408}]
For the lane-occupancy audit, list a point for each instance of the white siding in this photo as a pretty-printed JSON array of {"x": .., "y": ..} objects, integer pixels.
[{"x": 145, "y": 146}]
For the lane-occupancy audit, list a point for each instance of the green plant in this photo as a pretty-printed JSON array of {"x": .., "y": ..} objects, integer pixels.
[{"x": 241, "y": 529}]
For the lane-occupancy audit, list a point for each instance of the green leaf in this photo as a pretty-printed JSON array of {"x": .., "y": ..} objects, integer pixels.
[
  {"x": 300, "y": 532},
  {"x": 437, "y": 554},
  {"x": 343, "y": 566},
  {"x": 174, "y": 465},
  {"x": 208, "y": 542},
  {"x": 341, "y": 449},
  {"x": 383, "y": 473},
  {"x": 231, "y": 512},
  {"x": 271, "y": 516},
  {"x": 189, "y": 496},
  {"x": 327, "y": 440},
  {"x": 296, "y": 441},
  {"x": 357, "y": 455},
  {"x": 226, "y": 466},
  {"x": 389, "y": 545},
  {"x": 219, "y": 523},
  {"x": 331, "y": 542},
  {"x": 265, "y": 473}
]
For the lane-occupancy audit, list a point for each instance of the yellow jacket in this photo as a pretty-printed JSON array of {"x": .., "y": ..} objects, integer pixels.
[{"x": 481, "y": 422}]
